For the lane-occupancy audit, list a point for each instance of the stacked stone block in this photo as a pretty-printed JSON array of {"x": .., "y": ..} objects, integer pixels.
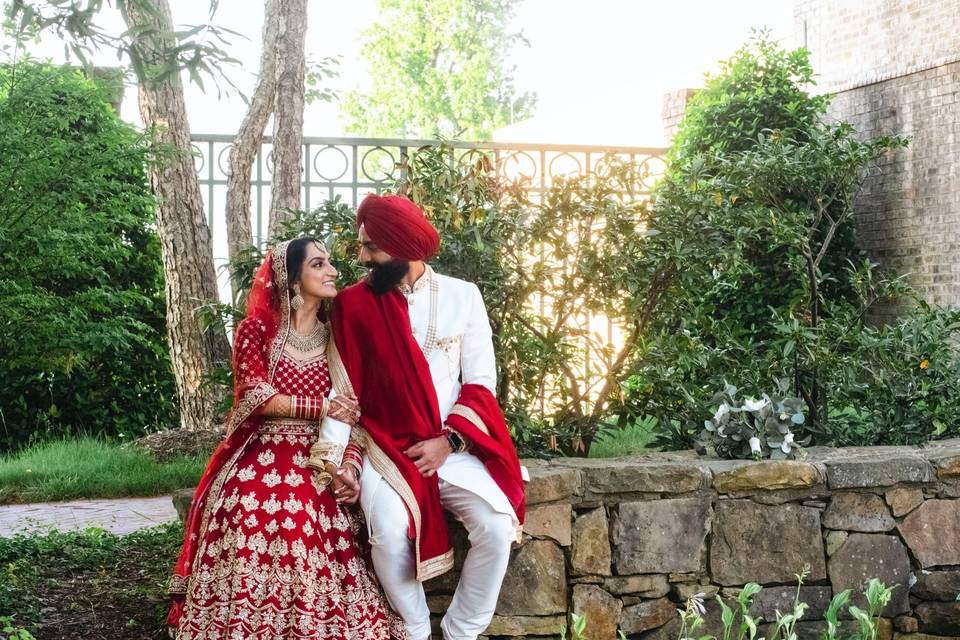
[{"x": 626, "y": 541}]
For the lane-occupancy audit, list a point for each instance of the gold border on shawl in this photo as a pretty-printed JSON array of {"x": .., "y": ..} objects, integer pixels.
[
  {"x": 338, "y": 372},
  {"x": 280, "y": 281},
  {"x": 471, "y": 416},
  {"x": 387, "y": 469},
  {"x": 431, "y": 567}
]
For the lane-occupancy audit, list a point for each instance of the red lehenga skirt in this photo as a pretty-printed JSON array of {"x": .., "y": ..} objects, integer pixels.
[{"x": 278, "y": 558}]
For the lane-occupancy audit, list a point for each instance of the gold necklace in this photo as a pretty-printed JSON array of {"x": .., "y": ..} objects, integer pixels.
[{"x": 316, "y": 339}]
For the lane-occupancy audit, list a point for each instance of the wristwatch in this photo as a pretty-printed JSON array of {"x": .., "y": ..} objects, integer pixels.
[{"x": 457, "y": 443}]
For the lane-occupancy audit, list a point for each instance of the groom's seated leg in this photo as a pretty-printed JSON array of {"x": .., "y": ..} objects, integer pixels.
[
  {"x": 394, "y": 560},
  {"x": 491, "y": 534}
]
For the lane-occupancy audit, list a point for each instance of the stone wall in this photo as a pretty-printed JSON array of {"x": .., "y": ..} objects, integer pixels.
[
  {"x": 626, "y": 541},
  {"x": 894, "y": 68}
]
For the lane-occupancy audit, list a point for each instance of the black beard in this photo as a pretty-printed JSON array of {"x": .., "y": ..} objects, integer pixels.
[{"x": 386, "y": 276}]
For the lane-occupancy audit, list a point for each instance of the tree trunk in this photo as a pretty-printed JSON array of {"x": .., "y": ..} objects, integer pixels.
[
  {"x": 288, "y": 112},
  {"x": 248, "y": 140},
  {"x": 184, "y": 235}
]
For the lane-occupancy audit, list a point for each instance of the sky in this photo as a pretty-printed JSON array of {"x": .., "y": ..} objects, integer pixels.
[{"x": 599, "y": 68}]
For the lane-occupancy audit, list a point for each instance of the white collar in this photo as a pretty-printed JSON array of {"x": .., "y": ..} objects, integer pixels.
[{"x": 422, "y": 282}]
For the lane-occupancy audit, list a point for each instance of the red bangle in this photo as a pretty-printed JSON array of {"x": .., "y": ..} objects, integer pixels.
[{"x": 305, "y": 407}]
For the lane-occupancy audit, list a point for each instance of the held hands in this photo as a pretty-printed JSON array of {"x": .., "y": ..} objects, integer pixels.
[
  {"x": 345, "y": 485},
  {"x": 345, "y": 409},
  {"x": 429, "y": 455}
]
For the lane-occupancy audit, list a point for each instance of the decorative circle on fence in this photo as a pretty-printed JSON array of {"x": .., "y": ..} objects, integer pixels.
[
  {"x": 220, "y": 165},
  {"x": 325, "y": 150},
  {"x": 651, "y": 170},
  {"x": 518, "y": 166},
  {"x": 379, "y": 166},
  {"x": 199, "y": 160},
  {"x": 569, "y": 165}
]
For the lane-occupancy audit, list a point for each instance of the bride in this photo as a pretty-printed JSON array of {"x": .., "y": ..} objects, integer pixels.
[{"x": 269, "y": 552}]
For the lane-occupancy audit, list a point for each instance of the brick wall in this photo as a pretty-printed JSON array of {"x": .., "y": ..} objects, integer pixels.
[
  {"x": 858, "y": 42},
  {"x": 674, "y": 107},
  {"x": 909, "y": 209},
  {"x": 894, "y": 67}
]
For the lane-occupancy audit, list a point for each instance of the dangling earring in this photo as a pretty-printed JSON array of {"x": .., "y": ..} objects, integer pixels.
[{"x": 297, "y": 300}]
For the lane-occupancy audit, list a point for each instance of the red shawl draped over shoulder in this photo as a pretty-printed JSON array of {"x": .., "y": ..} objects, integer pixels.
[{"x": 377, "y": 355}]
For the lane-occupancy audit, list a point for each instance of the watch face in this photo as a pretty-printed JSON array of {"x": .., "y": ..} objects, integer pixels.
[{"x": 456, "y": 442}]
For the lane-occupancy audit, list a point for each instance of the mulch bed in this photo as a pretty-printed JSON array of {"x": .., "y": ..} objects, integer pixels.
[{"x": 167, "y": 445}]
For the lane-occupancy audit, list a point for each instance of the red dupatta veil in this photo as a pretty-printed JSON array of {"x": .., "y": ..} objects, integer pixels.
[{"x": 263, "y": 334}]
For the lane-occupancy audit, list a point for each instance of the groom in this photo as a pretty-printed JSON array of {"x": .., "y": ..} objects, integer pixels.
[{"x": 415, "y": 347}]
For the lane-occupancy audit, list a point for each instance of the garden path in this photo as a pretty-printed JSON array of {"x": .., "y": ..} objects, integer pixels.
[{"x": 119, "y": 516}]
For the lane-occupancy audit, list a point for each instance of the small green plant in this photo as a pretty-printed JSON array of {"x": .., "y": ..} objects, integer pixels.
[
  {"x": 786, "y": 624},
  {"x": 579, "y": 623},
  {"x": 878, "y": 597},
  {"x": 785, "y": 628},
  {"x": 831, "y": 615},
  {"x": 11, "y": 631},
  {"x": 691, "y": 617}
]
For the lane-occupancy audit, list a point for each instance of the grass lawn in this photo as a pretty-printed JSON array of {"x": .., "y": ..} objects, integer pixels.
[
  {"x": 73, "y": 586},
  {"x": 91, "y": 468}
]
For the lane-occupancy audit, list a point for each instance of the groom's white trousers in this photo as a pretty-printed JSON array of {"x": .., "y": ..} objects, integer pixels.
[{"x": 490, "y": 532}]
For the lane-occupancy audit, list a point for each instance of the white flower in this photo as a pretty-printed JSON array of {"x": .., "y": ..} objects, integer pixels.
[
  {"x": 755, "y": 405},
  {"x": 755, "y": 444},
  {"x": 696, "y": 602},
  {"x": 787, "y": 441},
  {"x": 721, "y": 413}
]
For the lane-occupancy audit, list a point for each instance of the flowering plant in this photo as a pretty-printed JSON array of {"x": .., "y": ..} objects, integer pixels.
[{"x": 754, "y": 428}]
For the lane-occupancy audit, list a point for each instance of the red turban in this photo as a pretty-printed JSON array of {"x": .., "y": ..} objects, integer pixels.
[{"x": 398, "y": 226}]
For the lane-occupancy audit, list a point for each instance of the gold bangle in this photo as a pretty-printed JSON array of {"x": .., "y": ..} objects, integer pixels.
[{"x": 319, "y": 468}]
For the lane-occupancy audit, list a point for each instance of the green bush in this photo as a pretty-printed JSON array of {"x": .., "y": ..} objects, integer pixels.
[
  {"x": 89, "y": 584},
  {"x": 758, "y": 198},
  {"x": 81, "y": 283}
]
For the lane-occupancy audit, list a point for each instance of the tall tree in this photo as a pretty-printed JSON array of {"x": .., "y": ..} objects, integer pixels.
[
  {"x": 181, "y": 222},
  {"x": 157, "y": 54},
  {"x": 438, "y": 67},
  {"x": 288, "y": 111},
  {"x": 247, "y": 142}
]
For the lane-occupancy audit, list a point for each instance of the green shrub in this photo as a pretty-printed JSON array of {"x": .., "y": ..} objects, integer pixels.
[
  {"x": 81, "y": 283},
  {"x": 758, "y": 202}
]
